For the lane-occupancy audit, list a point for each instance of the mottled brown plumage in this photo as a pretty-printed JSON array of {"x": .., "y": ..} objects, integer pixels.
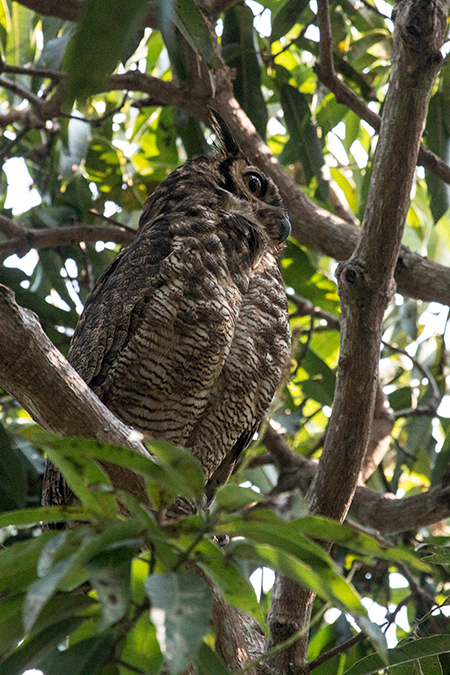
[{"x": 185, "y": 336}]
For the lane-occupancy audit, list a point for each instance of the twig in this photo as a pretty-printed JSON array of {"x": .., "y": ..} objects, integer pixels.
[
  {"x": 19, "y": 91},
  {"x": 306, "y": 308},
  {"x": 435, "y": 398},
  {"x": 110, "y": 220},
  {"x": 345, "y": 95},
  {"x": 34, "y": 72},
  {"x": 348, "y": 644}
]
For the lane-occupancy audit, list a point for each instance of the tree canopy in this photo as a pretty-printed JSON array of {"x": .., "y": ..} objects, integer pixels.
[{"x": 344, "y": 104}]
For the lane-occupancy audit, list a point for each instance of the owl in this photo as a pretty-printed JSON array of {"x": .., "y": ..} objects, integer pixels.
[{"x": 185, "y": 336}]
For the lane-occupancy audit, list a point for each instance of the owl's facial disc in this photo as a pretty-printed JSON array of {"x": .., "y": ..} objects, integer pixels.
[{"x": 254, "y": 196}]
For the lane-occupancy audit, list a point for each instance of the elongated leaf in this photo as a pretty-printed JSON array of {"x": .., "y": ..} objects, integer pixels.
[
  {"x": 48, "y": 514},
  {"x": 54, "y": 50},
  {"x": 19, "y": 50},
  {"x": 330, "y": 530},
  {"x": 141, "y": 648},
  {"x": 109, "y": 574},
  {"x": 236, "y": 590},
  {"x": 87, "y": 656},
  {"x": 33, "y": 651},
  {"x": 416, "y": 649},
  {"x": 438, "y": 140},
  {"x": 179, "y": 472},
  {"x": 191, "y": 23},
  {"x": 18, "y": 564},
  {"x": 208, "y": 662},
  {"x": 232, "y": 497},
  {"x": 42, "y": 590},
  {"x": 303, "y": 132},
  {"x": 11, "y": 627},
  {"x": 86, "y": 478},
  {"x": 286, "y": 16},
  {"x": 94, "y": 51},
  {"x": 181, "y": 606},
  {"x": 241, "y": 52},
  {"x": 13, "y": 486},
  {"x": 184, "y": 470},
  {"x": 331, "y": 587}
]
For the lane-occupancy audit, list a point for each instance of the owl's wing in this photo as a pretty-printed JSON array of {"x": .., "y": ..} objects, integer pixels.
[
  {"x": 158, "y": 327},
  {"x": 112, "y": 309}
]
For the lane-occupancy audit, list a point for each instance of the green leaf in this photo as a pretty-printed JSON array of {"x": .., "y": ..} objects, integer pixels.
[
  {"x": 48, "y": 514},
  {"x": 191, "y": 24},
  {"x": 416, "y": 649},
  {"x": 303, "y": 133},
  {"x": 179, "y": 472},
  {"x": 85, "y": 657},
  {"x": 241, "y": 52},
  {"x": 109, "y": 23},
  {"x": 208, "y": 662},
  {"x": 54, "y": 50},
  {"x": 19, "y": 50},
  {"x": 321, "y": 379},
  {"x": 109, "y": 574},
  {"x": 232, "y": 497},
  {"x": 438, "y": 140},
  {"x": 184, "y": 471},
  {"x": 18, "y": 564},
  {"x": 79, "y": 136},
  {"x": 34, "y": 651},
  {"x": 87, "y": 480},
  {"x": 235, "y": 588},
  {"x": 181, "y": 606},
  {"x": 11, "y": 628},
  {"x": 141, "y": 648},
  {"x": 13, "y": 487},
  {"x": 330, "y": 587},
  {"x": 286, "y": 16},
  {"x": 42, "y": 589},
  {"x": 330, "y": 530}
]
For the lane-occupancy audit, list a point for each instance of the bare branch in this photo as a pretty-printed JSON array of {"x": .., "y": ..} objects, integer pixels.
[
  {"x": 380, "y": 512},
  {"x": 23, "y": 240}
]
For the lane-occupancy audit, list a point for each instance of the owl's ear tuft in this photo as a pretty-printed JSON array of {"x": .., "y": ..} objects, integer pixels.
[{"x": 226, "y": 139}]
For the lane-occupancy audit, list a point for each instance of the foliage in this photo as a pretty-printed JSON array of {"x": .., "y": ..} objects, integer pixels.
[{"x": 117, "y": 593}]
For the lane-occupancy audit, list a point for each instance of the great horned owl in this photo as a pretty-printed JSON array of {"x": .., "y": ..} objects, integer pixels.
[{"x": 185, "y": 335}]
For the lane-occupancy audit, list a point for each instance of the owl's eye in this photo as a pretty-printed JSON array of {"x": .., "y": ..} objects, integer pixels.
[{"x": 255, "y": 183}]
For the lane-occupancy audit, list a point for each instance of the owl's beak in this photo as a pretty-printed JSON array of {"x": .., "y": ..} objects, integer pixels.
[{"x": 285, "y": 228}]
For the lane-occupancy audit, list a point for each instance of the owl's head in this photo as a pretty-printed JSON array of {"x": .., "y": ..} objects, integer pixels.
[
  {"x": 224, "y": 183},
  {"x": 246, "y": 190}
]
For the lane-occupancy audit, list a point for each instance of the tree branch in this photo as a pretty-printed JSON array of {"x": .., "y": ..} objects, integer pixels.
[
  {"x": 46, "y": 385},
  {"x": 23, "y": 240},
  {"x": 366, "y": 285},
  {"x": 379, "y": 512}
]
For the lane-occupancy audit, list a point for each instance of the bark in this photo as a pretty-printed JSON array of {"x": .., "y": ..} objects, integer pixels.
[
  {"x": 21, "y": 239},
  {"x": 382, "y": 513},
  {"x": 366, "y": 285},
  {"x": 45, "y": 384}
]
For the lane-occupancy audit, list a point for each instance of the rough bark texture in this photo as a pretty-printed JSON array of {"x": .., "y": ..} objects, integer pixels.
[
  {"x": 366, "y": 285},
  {"x": 47, "y": 386}
]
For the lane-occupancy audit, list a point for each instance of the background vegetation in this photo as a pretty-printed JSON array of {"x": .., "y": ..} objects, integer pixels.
[{"x": 78, "y": 162}]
